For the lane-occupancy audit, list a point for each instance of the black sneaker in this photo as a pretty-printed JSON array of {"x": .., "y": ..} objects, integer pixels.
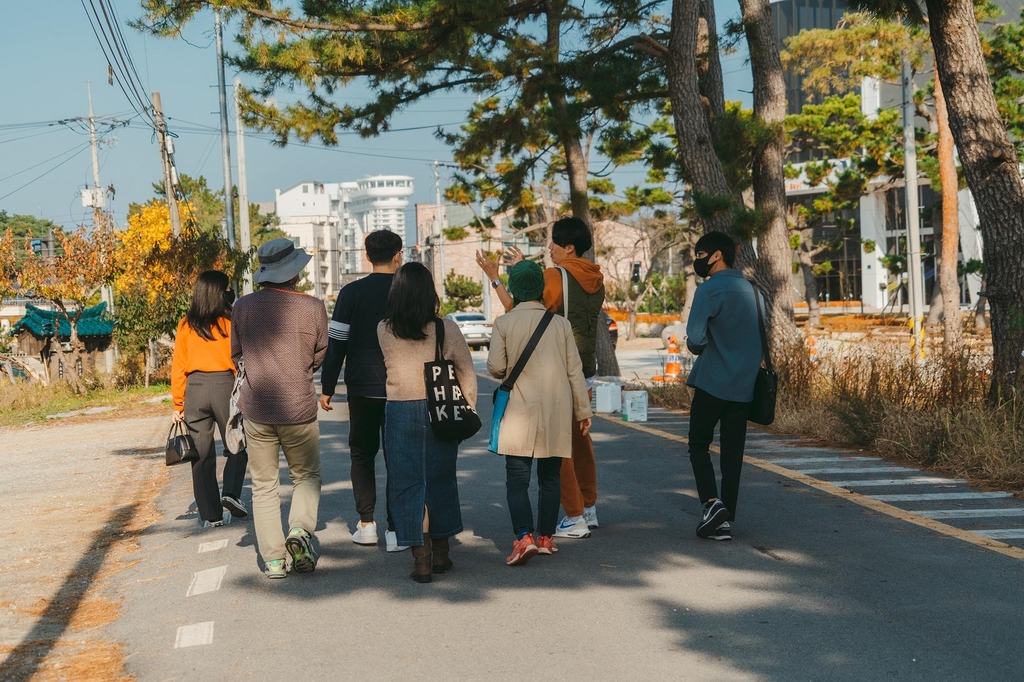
[
  {"x": 715, "y": 514},
  {"x": 234, "y": 505},
  {"x": 723, "y": 532}
]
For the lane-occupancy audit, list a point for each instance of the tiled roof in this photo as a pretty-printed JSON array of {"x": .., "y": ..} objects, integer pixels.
[{"x": 39, "y": 322}]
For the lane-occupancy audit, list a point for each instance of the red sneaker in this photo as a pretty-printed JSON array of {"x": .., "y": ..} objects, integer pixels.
[
  {"x": 522, "y": 551},
  {"x": 546, "y": 544}
]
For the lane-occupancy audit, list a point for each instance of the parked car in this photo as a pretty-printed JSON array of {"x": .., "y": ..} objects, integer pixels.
[
  {"x": 474, "y": 327},
  {"x": 613, "y": 329}
]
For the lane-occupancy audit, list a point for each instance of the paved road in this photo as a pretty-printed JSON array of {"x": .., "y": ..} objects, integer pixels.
[{"x": 819, "y": 583}]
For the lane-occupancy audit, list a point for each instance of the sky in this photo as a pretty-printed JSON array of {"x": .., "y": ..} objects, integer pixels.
[{"x": 47, "y": 58}]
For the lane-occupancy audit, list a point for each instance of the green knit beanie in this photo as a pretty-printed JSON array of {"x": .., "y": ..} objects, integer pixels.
[{"x": 526, "y": 281}]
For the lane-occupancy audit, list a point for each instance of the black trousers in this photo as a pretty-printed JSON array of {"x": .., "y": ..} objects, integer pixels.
[
  {"x": 549, "y": 494},
  {"x": 365, "y": 431},
  {"x": 706, "y": 411},
  {"x": 206, "y": 407}
]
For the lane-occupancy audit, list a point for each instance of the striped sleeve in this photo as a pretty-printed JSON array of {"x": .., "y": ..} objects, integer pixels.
[{"x": 338, "y": 330}]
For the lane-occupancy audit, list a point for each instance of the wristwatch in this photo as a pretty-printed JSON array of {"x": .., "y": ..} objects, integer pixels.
[{"x": 495, "y": 283}]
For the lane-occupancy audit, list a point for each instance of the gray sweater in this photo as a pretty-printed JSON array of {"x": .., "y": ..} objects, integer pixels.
[{"x": 722, "y": 331}]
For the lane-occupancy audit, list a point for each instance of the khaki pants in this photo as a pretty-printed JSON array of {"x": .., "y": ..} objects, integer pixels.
[{"x": 301, "y": 445}]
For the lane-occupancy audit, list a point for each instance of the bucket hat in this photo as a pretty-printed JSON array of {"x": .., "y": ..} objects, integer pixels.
[{"x": 280, "y": 261}]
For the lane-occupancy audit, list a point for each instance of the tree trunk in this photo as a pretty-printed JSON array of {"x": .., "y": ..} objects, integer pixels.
[
  {"x": 774, "y": 254},
  {"x": 949, "y": 281},
  {"x": 991, "y": 167},
  {"x": 694, "y": 140},
  {"x": 810, "y": 289},
  {"x": 709, "y": 66}
]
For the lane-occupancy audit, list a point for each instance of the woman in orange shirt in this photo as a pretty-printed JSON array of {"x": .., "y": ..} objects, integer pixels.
[{"x": 202, "y": 376}]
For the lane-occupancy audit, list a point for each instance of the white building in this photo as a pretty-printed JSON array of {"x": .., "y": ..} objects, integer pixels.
[{"x": 330, "y": 220}]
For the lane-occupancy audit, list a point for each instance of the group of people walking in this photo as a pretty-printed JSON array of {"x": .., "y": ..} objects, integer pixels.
[{"x": 383, "y": 332}]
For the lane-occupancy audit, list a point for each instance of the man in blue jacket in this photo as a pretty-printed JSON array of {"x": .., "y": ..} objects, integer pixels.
[{"x": 722, "y": 332}]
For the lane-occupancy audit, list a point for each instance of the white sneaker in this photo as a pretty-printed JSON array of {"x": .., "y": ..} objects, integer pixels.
[
  {"x": 391, "y": 540},
  {"x": 365, "y": 535},
  {"x": 572, "y": 527},
  {"x": 590, "y": 516}
]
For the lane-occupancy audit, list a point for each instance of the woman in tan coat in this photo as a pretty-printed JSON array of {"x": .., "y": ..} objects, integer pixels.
[{"x": 544, "y": 402}]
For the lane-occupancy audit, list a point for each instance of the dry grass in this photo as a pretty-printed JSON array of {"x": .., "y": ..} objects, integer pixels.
[
  {"x": 25, "y": 402},
  {"x": 928, "y": 412}
]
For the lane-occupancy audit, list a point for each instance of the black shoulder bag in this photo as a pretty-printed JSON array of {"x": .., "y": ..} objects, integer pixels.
[
  {"x": 451, "y": 416},
  {"x": 766, "y": 386}
]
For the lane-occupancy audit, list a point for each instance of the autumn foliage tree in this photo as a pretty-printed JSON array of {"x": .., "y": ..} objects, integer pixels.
[{"x": 155, "y": 275}]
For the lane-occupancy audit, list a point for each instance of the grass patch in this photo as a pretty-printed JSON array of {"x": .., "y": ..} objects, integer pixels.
[
  {"x": 928, "y": 412},
  {"x": 25, "y": 402}
]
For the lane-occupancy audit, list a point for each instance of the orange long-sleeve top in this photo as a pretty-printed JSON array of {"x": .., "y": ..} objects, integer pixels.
[{"x": 193, "y": 353}]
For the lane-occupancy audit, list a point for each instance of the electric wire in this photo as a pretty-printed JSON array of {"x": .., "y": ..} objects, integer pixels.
[
  {"x": 25, "y": 170},
  {"x": 45, "y": 173},
  {"x": 114, "y": 53}
]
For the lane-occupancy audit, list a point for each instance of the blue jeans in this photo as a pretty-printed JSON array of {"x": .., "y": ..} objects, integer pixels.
[{"x": 421, "y": 471}]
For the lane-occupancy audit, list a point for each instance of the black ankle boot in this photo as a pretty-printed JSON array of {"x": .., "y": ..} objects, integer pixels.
[
  {"x": 421, "y": 557},
  {"x": 440, "y": 562}
]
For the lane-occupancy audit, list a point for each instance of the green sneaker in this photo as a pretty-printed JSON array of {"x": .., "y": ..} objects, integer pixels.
[
  {"x": 275, "y": 569},
  {"x": 301, "y": 549}
]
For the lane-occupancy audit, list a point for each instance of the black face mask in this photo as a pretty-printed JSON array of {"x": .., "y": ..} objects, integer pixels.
[{"x": 701, "y": 266}]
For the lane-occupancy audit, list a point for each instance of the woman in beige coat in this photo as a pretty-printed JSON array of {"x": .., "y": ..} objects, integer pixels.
[{"x": 537, "y": 424}]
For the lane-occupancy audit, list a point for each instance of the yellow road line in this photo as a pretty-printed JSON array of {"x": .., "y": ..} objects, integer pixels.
[{"x": 856, "y": 498}]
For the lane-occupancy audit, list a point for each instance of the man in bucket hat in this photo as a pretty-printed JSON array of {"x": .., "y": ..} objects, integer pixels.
[{"x": 281, "y": 334}]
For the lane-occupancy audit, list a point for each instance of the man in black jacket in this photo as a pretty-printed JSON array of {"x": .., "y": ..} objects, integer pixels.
[{"x": 353, "y": 336}]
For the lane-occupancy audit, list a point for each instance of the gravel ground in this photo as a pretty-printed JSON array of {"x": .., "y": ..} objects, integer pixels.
[{"x": 74, "y": 496}]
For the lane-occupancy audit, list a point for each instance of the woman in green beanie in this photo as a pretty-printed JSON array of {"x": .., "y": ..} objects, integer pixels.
[{"x": 546, "y": 398}]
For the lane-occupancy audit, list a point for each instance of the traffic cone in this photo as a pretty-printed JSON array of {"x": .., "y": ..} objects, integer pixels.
[
  {"x": 812, "y": 351},
  {"x": 673, "y": 368}
]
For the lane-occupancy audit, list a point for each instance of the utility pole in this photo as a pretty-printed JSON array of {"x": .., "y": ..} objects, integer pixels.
[
  {"x": 439, "y": 226},
  {"x": 225, "y": 144},
  {"x": 106, "y": 293},
  {"x": 243, "y": 189},
  {"x": 165, "y": 161},
  {"x": 913, "y": 220}
]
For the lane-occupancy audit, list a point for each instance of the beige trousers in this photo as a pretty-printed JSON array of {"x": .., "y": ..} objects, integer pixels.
[{"x": 301, "y": 445}]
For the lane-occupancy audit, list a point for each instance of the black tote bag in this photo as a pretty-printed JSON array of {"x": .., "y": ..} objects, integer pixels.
[
  {"x": 766, "y": 386},
  {"x": 451, "y": 415}
]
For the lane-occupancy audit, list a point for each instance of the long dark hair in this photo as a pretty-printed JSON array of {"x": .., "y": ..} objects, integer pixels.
[
  {"x": 211, "y": 303},
  {"x": 412, "y": 302}
]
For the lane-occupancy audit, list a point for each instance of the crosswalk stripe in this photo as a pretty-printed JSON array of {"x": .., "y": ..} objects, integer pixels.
[
  {"x": 197, "y": 634},
  {"x": 1003, "y": 534},
  {"x": 970, "y": 513},
  {"x": 856, "y": 470},
  {"x": 206, "y": 581},
  {"x": 821, "y": 460},
  {"x": 913, "y": 480},
  {"x": 939, "y": 497},
  {"x": 213, "y": 546}
]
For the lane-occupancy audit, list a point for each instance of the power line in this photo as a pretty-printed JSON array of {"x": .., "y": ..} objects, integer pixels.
[
  {"x": 82, "y": 149},
  {"x": 25, "y": 170},
  {"x": 118, "y": 56}
]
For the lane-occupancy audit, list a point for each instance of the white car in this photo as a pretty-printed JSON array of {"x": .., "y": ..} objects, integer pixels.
[{"x": 474, "y": 327}]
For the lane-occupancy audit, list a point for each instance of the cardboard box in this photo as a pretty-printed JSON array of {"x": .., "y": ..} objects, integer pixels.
[{"x": 634, "y": 406}]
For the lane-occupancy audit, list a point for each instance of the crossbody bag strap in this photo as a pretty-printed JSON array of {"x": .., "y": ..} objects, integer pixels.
[
  {"x": 760, "y": 326},
  {"x": 565, "y": 292},
  {"x": 531, "y": 345},
  {"x": 439, "y": 339}
]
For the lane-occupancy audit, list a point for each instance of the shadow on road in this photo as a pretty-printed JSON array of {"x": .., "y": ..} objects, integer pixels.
[{"x": 25, "y": 660}]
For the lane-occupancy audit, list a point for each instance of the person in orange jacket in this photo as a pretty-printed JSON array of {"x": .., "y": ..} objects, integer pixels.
[
  {"x": 573, "y": 288},
  {"x": 202, "y": 376}
]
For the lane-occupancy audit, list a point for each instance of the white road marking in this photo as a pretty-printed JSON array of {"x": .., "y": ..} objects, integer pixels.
[
  {"x": 939, "y": 497},
  {"x": 855, "y": 470},
  {"x": 913, "y": 480},
  {"x": 1003, "y": 534},
  {"x": 206, "y": 581},
  {"x": 213, "y": 546},
  {"x": 194, "y": 635},
  {"x": 970, "y": 513},
  {"x": 821, "y": 460}
]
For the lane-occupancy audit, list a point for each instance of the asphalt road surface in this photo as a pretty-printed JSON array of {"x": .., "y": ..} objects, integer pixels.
[{"x": 839, "y": 570}]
